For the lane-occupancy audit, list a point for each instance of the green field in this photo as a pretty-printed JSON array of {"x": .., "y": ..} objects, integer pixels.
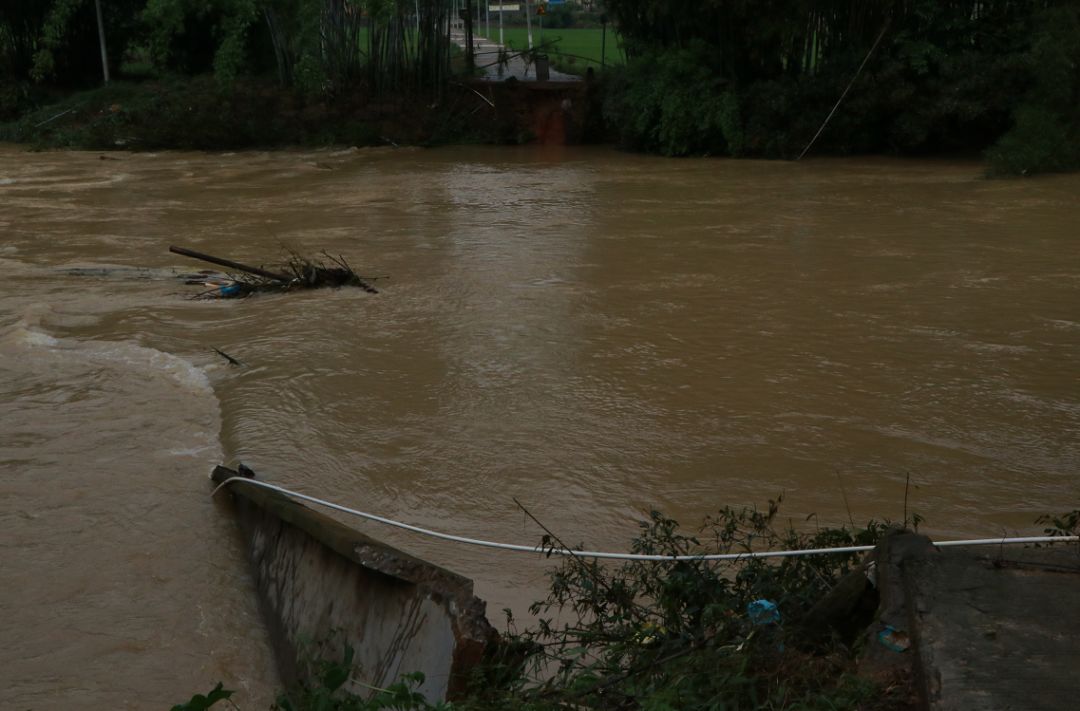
[{"x": 572, "y": 53}]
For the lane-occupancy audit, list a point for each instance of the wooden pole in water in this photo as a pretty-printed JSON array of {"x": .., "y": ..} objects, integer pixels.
[{"x": 231, "y": 264}]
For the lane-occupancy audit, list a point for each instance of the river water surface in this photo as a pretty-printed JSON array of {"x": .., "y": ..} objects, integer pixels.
[{"x": 590, "y": 332}]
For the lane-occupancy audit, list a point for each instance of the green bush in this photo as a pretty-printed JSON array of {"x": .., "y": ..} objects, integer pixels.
[
  {"x": 673, "y": 103},
  {"x": 682, "y": 634},
  {"x": 193, "y": 114},
  {"x": 324, "y": 691},
  {"x": 17, "y": 98},
  {"x": 942, "y": 77},
  {"x": 1040, "y": 142},
  {"x": 1045, "y": 136}
]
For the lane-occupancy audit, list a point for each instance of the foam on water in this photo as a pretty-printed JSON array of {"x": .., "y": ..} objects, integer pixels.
[
  {"x": 131, "y": 357},
  {"x": 36, "y": 338},
  {"x": 169, "y": 398},
  {"x": 145, "y": 361}
]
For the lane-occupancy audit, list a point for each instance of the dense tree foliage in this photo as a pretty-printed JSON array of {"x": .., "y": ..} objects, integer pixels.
[
  {"x": 945, "y": 75},
  {"x": 56, "y": 40},
  {"x": 737, "y": 77},
  {"x": 315, "y": 45}
]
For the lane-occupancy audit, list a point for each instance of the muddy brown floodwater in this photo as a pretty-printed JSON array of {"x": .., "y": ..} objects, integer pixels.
[{"x": 591, "y": 332}]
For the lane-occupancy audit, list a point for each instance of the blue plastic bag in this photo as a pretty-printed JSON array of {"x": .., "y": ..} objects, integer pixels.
[{"x": 763, "y": 612}]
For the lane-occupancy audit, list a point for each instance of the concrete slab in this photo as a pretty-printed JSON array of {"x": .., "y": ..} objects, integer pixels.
[
  {"x": 978, "y": 629},
  {"x": 998, "y": 630}
]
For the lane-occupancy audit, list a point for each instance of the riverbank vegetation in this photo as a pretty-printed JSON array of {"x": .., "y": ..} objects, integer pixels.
[
  {"x": 694, "y": 634},
  {"x": 234, "y": 74},
  {"x": 917, "y": 77},
  {"x": 196, "y": 113},
  {"x": 958, "y": 76}
]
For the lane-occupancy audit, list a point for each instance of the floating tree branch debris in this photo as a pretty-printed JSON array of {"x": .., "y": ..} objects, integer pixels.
[
  {"x": 297, "y": 272},
  {"x": 226, "y": 356}
]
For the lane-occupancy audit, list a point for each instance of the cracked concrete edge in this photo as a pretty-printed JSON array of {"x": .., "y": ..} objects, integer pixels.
[
  {"x": 940, "y": 586},
  {"x": 902, "y": 559},
  {"x": 352, "y": 544},
  {"x": 473, "y": 633},
  {"x": 878, "y": 662}
]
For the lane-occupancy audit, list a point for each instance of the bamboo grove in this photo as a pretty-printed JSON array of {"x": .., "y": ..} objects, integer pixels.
[
  {"x": 318, "y": 45},
  {"x": 754, "y": 39}
]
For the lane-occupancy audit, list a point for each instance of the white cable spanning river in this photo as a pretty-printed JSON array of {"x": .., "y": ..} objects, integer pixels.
[{"x": 594, "y": 333}]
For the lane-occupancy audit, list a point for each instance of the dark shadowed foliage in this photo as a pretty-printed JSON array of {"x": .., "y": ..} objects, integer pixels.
[{"x": 945, "y": 76}]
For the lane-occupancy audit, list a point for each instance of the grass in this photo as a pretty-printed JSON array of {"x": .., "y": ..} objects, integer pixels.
[{"x": 574, "y": 50}]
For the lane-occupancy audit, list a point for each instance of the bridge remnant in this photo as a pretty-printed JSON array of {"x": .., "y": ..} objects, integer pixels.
[{"x": 321, "y": 584}]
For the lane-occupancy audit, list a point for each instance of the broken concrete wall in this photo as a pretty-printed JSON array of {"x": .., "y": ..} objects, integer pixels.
[
  {"x": 549, "y": 113},
  {"x": 323, "y": 585},
  {"x": 996, "y": 627}
]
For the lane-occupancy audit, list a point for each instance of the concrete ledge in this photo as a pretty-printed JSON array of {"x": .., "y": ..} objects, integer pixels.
[
  {"x": 322, "y": 584},
  {"x": 990, "y": 628}
]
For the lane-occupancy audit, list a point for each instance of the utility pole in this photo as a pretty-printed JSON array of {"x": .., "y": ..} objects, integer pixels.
[
  {"x": 603, "y": 41},
  {"x": 470, "y": 51},
  {"x": 528, "y": 21},
  {"x": 101, "y": 40},
  {"x": 500, "y": 23}
]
